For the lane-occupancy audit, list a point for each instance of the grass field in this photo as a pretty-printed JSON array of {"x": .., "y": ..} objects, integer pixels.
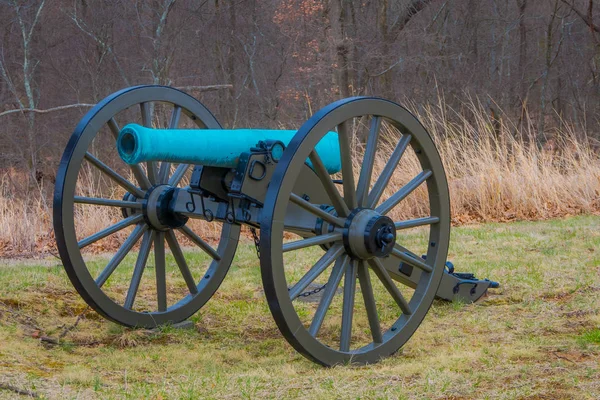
[{"x": 538, "y": 337}]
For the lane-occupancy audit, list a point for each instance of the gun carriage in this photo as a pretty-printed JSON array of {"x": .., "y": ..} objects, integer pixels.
[{"x": 325, "y": 212}]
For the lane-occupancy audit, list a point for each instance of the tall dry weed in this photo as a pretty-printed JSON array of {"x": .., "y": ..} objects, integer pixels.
[{"x": 497, "y": 171}]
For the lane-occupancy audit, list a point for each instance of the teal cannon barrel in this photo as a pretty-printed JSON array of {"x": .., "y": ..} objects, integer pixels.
[{"x": 210, "y": 147}]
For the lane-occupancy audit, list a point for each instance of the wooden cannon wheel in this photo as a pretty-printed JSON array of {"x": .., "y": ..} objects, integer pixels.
[
  {"x": 140, "y": 187},
  {"x": 359, "y": 239}
]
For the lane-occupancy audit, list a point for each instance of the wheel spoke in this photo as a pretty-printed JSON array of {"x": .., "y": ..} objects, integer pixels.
[
  {"x": 138, "y": 172},
  {"x": 134, "y": 219},
  {"x": 303, "y": 231},
  {"x": 336, "y": 199},
  {"x": 200, "y": 243},
  {"x": 181, "y": 263},
  {"x": 124, "y": 183},
  {"x": 401, "y": 194},
  {"x": 114, "y": 128},
  {"x": 107, "y": 202},
  {"x": 389, "y": 285},
  {"x": 120, "y": 254},
  {"x": 311, "y": 208},
  {"x": 404, "y": 250},
  {"x": 348, "y": 306},
  {"x": 364, "y": 181},
  {"x": 163, "y": 172},
  {"x": 147, "y": 122},
  {"x": 160, "y": 270},
  {"x": 388, "y": 171},
  {"x": 178, "y": 174},
  {"x": 316, "y": 270},
  {"x": 138, "y": 270},
  {"x": 313, "y": 241},
  {"x": 165, "y": 167},
  {"x": 347, "y": 173},
  {"x": 416, "y": 222},
  {"x": 367, "y": 293},
  {"x": 332, "y": 284},
  {"x": 401, "y": 253}
]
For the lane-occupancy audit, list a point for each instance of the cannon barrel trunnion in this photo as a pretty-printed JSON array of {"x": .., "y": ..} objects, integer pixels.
[{"x": 330, "y": 200}]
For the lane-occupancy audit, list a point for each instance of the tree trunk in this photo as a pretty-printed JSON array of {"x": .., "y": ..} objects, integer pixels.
[
  {"x": 340, "y": 47},
  {"x": 522, "y": 4},
  {"x": 549, "y": 58},
  {"x": 386, "y": 58}
]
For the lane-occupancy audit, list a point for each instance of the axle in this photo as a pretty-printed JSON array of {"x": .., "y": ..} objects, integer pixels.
[{"x": 454, "y": 286}]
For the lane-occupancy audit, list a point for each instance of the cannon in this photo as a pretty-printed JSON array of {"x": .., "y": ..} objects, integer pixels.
[{"x": 328, "y": 200}]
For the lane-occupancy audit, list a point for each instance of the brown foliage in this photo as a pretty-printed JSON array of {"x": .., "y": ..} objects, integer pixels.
[{"x": 534, "y": 67}]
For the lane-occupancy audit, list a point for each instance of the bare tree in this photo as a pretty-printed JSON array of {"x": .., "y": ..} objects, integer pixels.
[
  {"x": 161, "y": 60},
  {"x": 27, "y": 17},
  {"x": 339, "y": 43},
  {"x": 550, "y": 57},
  {"x": 274, "y": 62},
  {"x": 105, "y": 46}
]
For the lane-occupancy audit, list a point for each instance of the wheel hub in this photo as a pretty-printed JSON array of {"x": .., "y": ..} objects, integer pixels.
[
  {"x": 368, "y": 234},
  {"x": 324, "y": 227},
  {"x": 157, "y": 211},
  {"x": 128, "y": 212}
]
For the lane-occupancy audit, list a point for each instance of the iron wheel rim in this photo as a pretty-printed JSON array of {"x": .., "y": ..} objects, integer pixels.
[
  {"x": 64, "y": 222},
  {"x": 272, "y": 264}
]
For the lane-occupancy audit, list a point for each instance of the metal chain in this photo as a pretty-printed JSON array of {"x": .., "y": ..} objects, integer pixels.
[
  {"x": 256, "y": 241},
  {"x": 312, "y": 292},
  {"x": 257, "y": 246}
]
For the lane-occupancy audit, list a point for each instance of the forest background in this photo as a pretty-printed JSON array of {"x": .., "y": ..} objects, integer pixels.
[{"x": 509, "y": 89}]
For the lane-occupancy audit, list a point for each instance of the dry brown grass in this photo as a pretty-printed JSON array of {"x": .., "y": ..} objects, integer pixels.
[
  {"x": 496, "y": 172},
  {"x": 24, "y": 220}
]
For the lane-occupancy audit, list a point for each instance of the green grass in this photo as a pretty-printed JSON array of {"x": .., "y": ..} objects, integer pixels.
[
  {"x": 538, "y": 337},
  {"x": 590, "y": 337}
]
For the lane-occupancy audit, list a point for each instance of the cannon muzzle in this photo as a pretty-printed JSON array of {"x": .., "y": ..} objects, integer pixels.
[{"x": 210, "y": 147}]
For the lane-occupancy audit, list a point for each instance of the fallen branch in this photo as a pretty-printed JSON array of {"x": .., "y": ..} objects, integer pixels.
[
  {"x": 15, "y": 389},
  {"x": 208, "y": 88},
  {"x": 48, "y": 110},
  {"x": 554, "y": 353},
  {"x": 49, "y": 340},
  {"x": 66, "y": 330},
  {"x": 21, "y": 318},
  {"x": 70, "y": 328}
]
